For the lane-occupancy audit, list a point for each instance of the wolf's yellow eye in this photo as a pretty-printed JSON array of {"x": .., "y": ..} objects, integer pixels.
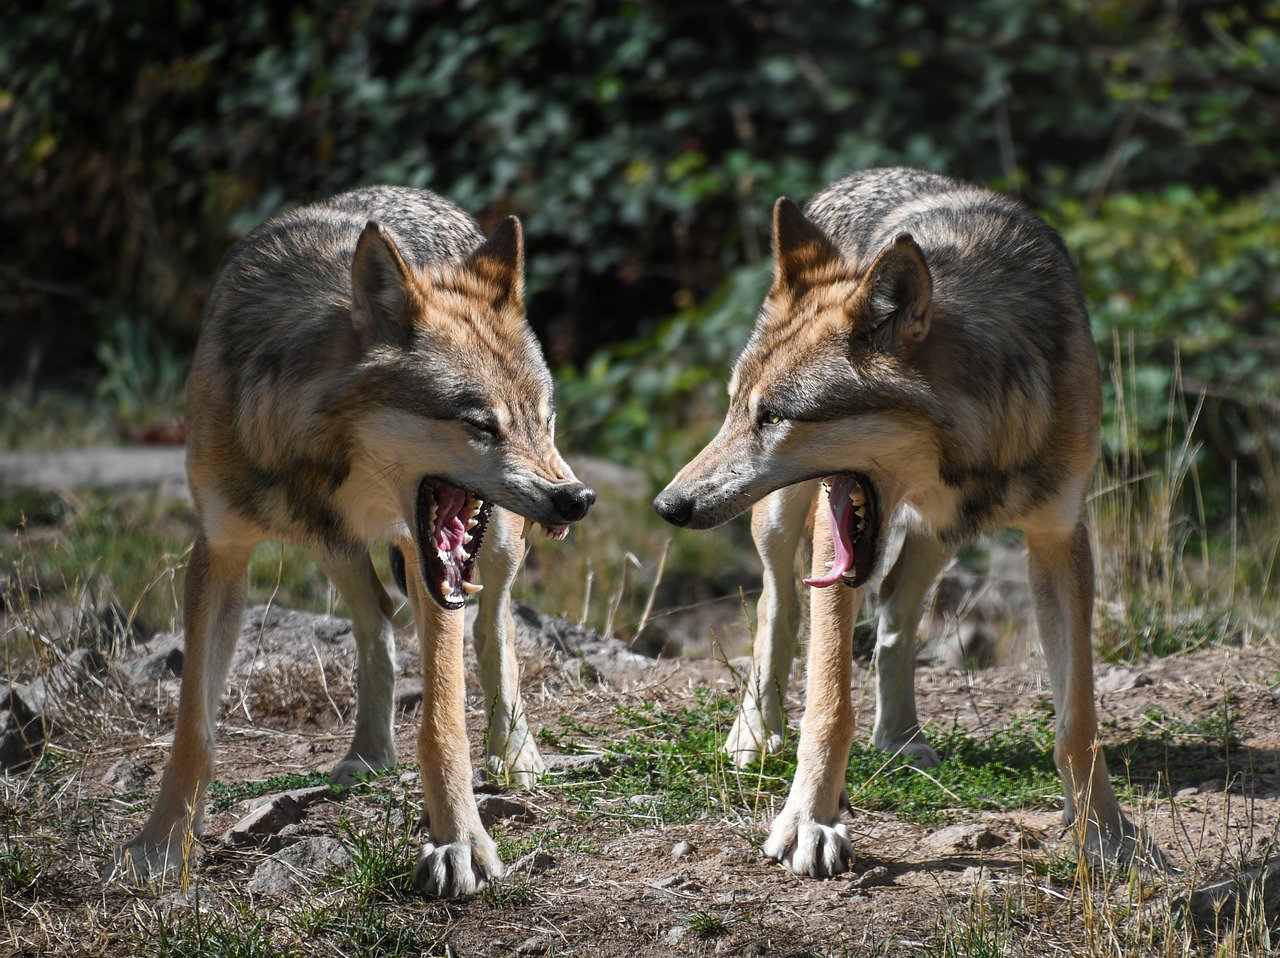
[{"x": 768, "y": 417}]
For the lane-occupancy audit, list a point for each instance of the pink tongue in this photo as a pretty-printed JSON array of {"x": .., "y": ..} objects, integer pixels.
[{"x": 838, "y": 511}]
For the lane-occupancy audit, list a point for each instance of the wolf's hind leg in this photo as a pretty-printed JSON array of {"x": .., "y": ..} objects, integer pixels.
[
  {"x": 213, "y": 605},
  {"x": 777, "y": 523},
  {"x": 808, "y": 836},
  {"x": 1060, "y": 567},
  {"x": 510, "y": 751},
  {"x": 373, "y": 746},
  {"x": 902, "y": 596}
]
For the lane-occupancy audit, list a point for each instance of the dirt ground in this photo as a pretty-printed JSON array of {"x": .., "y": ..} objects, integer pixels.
[{"x": 612, "y": 886}]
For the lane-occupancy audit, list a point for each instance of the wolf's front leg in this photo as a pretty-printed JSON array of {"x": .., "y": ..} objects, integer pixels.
[
  {"x": 777, "y": 523},
  {"x": 1060, "y": 569},
  {"x": 902, "y": 599},
  {"x": 213, "y": 605},
  {"x": 511, "y": 754},
  {"x": 460, "y": 857},
  {"x": 372, "y": 747},
  {"x": 808, "y": 836}
]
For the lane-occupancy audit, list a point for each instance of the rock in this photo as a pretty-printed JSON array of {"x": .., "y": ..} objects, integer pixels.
[
  {"x": 589, "y": 764},
  {"x": 533, "y": 946},
  {"x": 164, "y": 663},
  {"x": 683, "y": 849},
  {"x": 496, "y": 808},
  {"x": 298, "y": 866},
  {"x": 50, "y": 692},
  {"x": 602, "y": 654},
  {"x": 22, "y": 732},
  {"x": 1211, "y": 785},
  {"x": 966, "y": 836},
  {"x": 264, "y": 822},
  {"x": 973, "y": 875},
  {"x": 739, "y": 855},
  {"x": 1254, "y": 892},
  {"x": 1187, "y": 792},
  {"x": 1118, "y": 678},
  {"x": 534, "y": 863},
  {"x": 408, "y": 693},
  {"x": 676, "y": 935},
  {"x": 876, "y": 877},
  {"x": 302, "y": 797},
  {"x": 128, "y": 774},
  {"x": 644, "y": 800}
]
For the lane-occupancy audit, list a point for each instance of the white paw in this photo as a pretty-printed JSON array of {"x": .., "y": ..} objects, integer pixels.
[
  {"x": 1122, "y": 847},
  {"x": 457, "y": 869},
  {"x": 749, "y": 739},
  {"x": 809, "y": 847},
  {"x": 141, "y": 861},
  {"x": 912, "y": 748},
  {"x": 356, "y": 766},
  {"x": 516, "y": 761}
]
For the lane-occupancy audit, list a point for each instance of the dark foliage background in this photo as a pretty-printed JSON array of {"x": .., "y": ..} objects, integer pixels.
[{"x": 643, "y": 144}]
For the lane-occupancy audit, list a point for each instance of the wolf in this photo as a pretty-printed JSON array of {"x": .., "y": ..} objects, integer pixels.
[
  {"x": 365, "y": 374},
  {"x": 924, "y": 352}
]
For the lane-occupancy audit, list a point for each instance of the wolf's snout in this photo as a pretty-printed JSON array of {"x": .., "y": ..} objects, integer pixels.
[
  {"x": 675, "y": 507},
  {"x": 572, "y": 501}
]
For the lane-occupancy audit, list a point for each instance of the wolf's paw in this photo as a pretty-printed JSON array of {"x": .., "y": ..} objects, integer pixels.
[
  {"x": 913, "y": 748},
  {"x": 517, "y": 761},
  {"x": 457, "y": 869},
  {"x": 358, "y": 765},
  {"x": 141, "y": 861},
  {"x": 1125, "y": 846},
  {"x": 809, "y": 847},
  {"x": 749, "y": 739}
]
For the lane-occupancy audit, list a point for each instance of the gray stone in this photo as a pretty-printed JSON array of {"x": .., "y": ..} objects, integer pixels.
[
  {"x": 496, "y": 808},
  {"x": 22, "y": 732},
  {"x": 265, "y": 821},
  {"x": 163, "y": 663},
  {"x": 408, "y": 693},
  {"x": 676, "y": 935},
  {"x": 591, "y": 763},
  {"x": 876, "y": 877},
  {"x": 683, "y": 849},
  {"x": 533, "y": 946},
  {"x": 303, "y": 797},
  {"x": 1253, "y": 892},
  {"x": 298, "y": 866},
  {"x": 534, "y": 863},
  {"x": 966, "y": 836},
  {"x": 128, "y": 774}
]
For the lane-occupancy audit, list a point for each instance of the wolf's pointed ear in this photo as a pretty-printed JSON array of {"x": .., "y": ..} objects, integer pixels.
[
  {"x": 382, "y": 289},
  {"x": 802, "y": 252},
  {"x": 900, "y": 292},
  {"x": 499, "y": 263}
]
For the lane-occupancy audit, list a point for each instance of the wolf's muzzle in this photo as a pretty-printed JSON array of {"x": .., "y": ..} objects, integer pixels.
[{"x": 573, "y": 500}]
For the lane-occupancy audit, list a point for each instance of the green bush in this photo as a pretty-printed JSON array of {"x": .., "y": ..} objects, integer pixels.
[{"x": 642, "y": 142}]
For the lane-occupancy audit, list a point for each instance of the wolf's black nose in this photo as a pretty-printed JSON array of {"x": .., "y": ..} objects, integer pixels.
[
  {"x": 573, "y": 501},
  {"x": 677, "y": 509}
]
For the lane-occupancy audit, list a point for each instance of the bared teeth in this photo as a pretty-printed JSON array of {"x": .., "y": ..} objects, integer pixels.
[
  {"x": 858, "y": 497},
  {"x": 466, "y": 538},
  {"x": 444, "y": 588},
  {"x": 471, "y": 588},
  {"x": 472, "y": 523}
]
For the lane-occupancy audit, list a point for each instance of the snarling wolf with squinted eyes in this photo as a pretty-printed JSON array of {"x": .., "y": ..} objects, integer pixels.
[
  {"x": 365, "y": 374},
  {"x": 924, "y": 351}
]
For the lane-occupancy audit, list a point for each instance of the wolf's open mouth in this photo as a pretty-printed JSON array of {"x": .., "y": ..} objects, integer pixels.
[
  {"x": 854, "y": 514},
  {"x": 449, "y": 525}
]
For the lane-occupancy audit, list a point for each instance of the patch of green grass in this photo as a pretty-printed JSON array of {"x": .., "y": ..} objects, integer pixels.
[
  {"x": 203, "y": 935},
  {"x": 1146, "y": 627},
  {"x": 383, "y": 854},
  {"x": 708, "y": 926},
  {"x": 675, "y": 756},
  {"x": 222, "y": 797},
  {"x": 23, "y": 506},
  {"x": 368, "y": 931}
]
